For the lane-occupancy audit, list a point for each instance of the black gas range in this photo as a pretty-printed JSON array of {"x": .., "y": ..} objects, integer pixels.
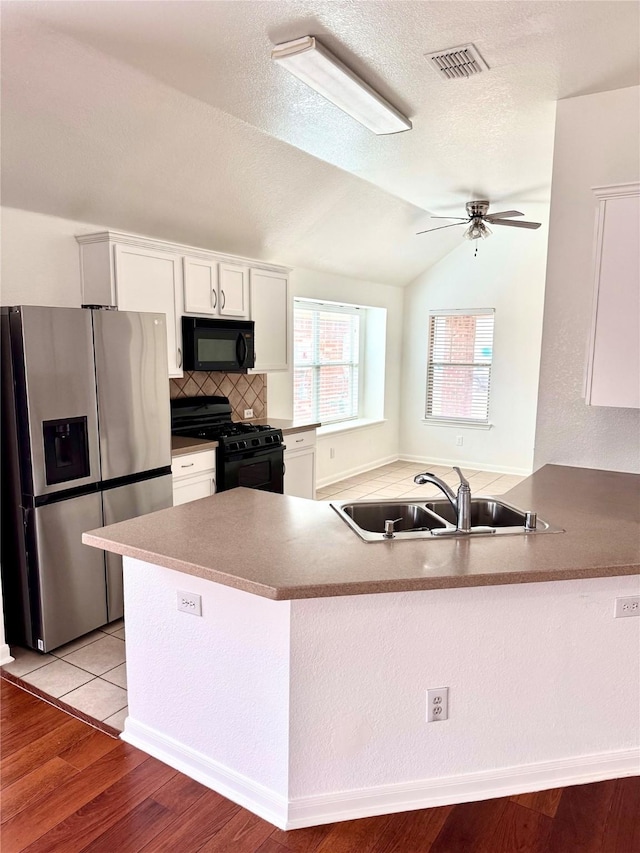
[{"x": 249, "y": 455}]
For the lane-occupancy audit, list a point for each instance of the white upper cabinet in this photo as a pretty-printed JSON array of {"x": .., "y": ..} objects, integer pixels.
[
  {"x": 613, "y": 367},
  {"x": 148, "y": 280},
  {"x": 270, "y": 312},
  {"x": 233, "y": 290},
  {"x": 136, "y": 273},
  {"x": 200, "y": 286},
  {"x": 215, "y": 289}
]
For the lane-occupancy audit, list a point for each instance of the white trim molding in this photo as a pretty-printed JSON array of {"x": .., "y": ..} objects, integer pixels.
[
  {"x": 465, "y": 463},
  {"x": 251, "y": 795},
  {"x": 468, "y": 787},
  {"x": 351, "y": 472},
  {"x": 5, "y": 655},
  {"x": 382, "y": 799},
  {"x": 176, "y": 248}
]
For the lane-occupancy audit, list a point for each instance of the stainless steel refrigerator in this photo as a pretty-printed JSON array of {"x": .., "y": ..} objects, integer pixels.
[{"x": 86, "y": 441}]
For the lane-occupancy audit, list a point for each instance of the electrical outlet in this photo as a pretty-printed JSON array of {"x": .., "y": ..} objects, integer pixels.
[
  {"x": 248, "y": 413},
  {"x": 332, "y": 453},
  {"x": 628, "y": 606},
  {"x": 437, "y": 704},
  {"x": 189, "y": 602},
  {"x": 459, "y": 441}
]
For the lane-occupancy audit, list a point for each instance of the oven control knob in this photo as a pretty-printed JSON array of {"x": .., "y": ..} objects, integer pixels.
[
  {"x": 242, "y": 445},
  {"x": 233, "y": 445},
  {"x": 268, "y": 439},
  {"x": 255, "y": 442}
]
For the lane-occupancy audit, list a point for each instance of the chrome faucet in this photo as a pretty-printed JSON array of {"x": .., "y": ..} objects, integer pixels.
[{"x": 461, "y": 502}]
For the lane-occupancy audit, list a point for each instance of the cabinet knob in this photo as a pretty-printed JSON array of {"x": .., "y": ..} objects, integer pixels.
[
  {"x": 223, "y": 300},
  {"x": 190, "y": 465},
  {"x": 214, "y": 296},
  {"x": 179, "y": 357}
]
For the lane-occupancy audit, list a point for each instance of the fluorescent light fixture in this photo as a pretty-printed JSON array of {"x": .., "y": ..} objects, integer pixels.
[{"x": 312, "y": 63}]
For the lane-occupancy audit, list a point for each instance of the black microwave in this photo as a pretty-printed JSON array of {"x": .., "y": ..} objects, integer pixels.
[{"x": 224, "y": 345}]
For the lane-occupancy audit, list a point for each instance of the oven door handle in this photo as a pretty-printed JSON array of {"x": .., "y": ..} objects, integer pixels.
[
  {"x": 241, "y": 350},
  {"x": 254, "y": 454}
]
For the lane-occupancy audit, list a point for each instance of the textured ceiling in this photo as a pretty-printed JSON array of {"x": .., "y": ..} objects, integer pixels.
[{"x": 168, "y": 118}]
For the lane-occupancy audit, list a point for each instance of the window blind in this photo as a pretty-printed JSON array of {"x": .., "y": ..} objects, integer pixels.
[
  {"x": 326, "y": 343},
  {"x": 460, "y": 354}
]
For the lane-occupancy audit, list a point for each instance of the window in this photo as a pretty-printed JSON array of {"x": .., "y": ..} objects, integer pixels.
[
  {"x": 327, "y": 344},
  {"x": 459, "y": 365}
]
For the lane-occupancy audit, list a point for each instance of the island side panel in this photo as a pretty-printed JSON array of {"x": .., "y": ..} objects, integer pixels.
[
  {"x": 542, "y": 680},
  {"x": 209, "y": 694}
]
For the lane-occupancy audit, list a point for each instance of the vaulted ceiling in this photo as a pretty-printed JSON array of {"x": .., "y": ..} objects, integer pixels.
[{"x": 169, "y": 119}]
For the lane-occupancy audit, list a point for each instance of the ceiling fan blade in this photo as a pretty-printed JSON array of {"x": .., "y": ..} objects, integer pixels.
[
  {"x": 515, "y": 224},
  {"x": 440, "y": 227},
  {"x": 504, "y": 213},
  {"x": 462, "y": 218}
]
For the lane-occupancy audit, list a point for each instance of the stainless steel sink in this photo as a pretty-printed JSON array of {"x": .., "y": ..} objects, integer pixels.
[
  {"x": 434, "y": 519},
  {"x": 368, "y": 518},
  {"x": 487, "y": 512}
]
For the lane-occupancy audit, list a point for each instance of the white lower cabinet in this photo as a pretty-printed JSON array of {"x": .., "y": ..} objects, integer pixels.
[
  {"x": 300, "y": 464},
  {"x": 194, "y": 476}
]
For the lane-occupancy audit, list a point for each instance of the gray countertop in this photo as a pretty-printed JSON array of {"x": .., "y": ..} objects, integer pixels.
[{"x": 285, "y": 548}]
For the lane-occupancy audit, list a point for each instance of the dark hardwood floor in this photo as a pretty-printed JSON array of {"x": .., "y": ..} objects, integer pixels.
[{"x": 68, "y": 788}]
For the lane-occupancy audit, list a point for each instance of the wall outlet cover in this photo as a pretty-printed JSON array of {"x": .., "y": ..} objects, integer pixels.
[
  {"x": 627, "y": 606},
  {"x": 248, "y": 413},
  {"x": 437, "y": 704},
  {"x": 189, "y": 602}
]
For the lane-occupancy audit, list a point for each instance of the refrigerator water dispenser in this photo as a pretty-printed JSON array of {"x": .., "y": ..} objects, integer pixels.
[{"x": 66, "y": 450}]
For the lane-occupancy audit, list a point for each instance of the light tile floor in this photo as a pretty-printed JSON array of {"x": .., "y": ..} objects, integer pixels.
[
  {"x": 396, "y": 481},
  {"x": 90, "y": 673}
]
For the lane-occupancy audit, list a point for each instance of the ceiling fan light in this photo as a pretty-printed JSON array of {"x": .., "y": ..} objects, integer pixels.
[
  {"x": 312, "y": 63},
  {"x": 477, "y": 230}
]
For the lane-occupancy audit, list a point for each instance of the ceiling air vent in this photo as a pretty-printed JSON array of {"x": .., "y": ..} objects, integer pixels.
[{"x": 457, "y": 62}]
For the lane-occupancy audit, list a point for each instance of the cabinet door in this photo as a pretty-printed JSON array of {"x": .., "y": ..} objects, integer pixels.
[
  {"x": 300, "y": 473},
  {"x": 233, "y": 291},
  {"x": 187, "y": 489},
  {"x": 148, "y": 280},
  {"x": 200, "y": 286},
  {"x": 613, "y": 375},
  {"x": 270, "y": 312}
]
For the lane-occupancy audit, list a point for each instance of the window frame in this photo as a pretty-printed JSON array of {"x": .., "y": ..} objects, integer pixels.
[
  {"x": 360, "y": 311},
  {"x": 439, "y": 420}
]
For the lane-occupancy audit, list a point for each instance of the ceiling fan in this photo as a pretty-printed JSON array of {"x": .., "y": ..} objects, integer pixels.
[{"x": 477, "y": 218}]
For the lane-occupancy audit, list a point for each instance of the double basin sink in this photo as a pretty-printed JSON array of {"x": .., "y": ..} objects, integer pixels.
[{"x": 434, "y": 519}]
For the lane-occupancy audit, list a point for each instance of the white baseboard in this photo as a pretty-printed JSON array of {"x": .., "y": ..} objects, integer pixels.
[
  {"x": 466, "y": 463},
  {"x": 351, "y": 472},
  {"x": 5, "y": 654},
  {"x": 469, "y": 787},
  {"x": 260, "y": 800},
  {"x": 383, "y": 799}
]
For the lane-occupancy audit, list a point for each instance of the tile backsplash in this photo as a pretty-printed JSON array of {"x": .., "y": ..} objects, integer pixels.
[{"x": 244, "y": 390}]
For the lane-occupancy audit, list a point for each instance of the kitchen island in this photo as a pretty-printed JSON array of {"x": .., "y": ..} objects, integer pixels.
[{"x": 300, "y": 692}]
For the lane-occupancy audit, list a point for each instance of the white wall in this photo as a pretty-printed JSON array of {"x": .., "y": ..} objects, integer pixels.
[
  {"x": 521, "y": 688},
  {"x": 597, "y": 143},
  {"x": 508, "y": 275},
  {"x": 228, "y": 696},
  {"x": 40, "y": 259},
  {"x": 362, "y": 448},
  {"x": 314, "y": 710}
]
